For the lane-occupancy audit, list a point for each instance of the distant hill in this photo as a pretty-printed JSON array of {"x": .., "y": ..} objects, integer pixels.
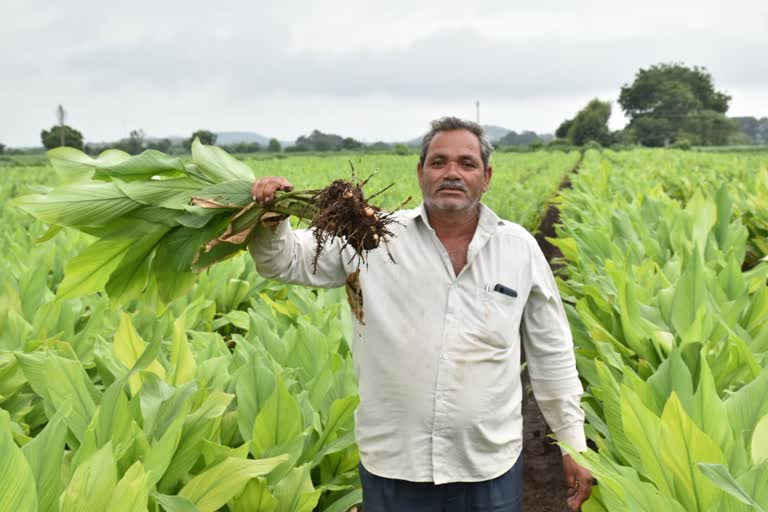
[
  {"x": 498, "y": 134},
  {"x": 226, "y": 138}
]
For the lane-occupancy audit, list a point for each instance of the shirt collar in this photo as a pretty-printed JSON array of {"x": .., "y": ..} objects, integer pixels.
[{"x": 488, "y": 219}]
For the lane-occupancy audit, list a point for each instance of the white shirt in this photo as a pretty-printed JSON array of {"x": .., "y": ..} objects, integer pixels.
[{"x": 438, "y": 359}]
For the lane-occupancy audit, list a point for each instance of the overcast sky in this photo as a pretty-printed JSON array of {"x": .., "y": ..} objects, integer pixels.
[{"x": 371, "y": 70}]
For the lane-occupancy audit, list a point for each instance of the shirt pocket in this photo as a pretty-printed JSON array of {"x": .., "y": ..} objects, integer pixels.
[{"x": 501, "y": 318}]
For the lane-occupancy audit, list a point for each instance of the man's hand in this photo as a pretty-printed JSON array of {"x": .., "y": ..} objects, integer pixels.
[
  {"x": 579, "y": 480},
  {"x": 263, "y": 190}
]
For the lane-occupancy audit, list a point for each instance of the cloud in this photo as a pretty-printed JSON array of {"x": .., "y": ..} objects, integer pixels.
[{"x": 162, "y": 66}]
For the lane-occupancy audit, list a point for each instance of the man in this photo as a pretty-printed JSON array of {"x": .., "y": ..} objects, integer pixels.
[{"x": 439, "y": 424}]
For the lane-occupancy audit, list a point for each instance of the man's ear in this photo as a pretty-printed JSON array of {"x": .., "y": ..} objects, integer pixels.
[
  {"x": 488, "y": 175},
  {"x": 419, "y": 170}
]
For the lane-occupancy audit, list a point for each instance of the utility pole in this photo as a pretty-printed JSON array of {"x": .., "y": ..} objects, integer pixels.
[
  {"x": 477, "y": 110},
  {"x": 60, "y": 112}
]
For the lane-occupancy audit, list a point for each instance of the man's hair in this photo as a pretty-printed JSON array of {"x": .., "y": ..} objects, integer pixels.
[{"x": 445, "y": 124}]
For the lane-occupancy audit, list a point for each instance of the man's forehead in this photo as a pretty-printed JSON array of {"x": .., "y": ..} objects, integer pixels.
[{"x": 458, "y": 142}]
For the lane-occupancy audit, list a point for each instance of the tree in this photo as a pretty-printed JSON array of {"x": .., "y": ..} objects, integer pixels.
[
  {"x": 274, "y": 146},
  {"x": 2, "y": 148},
  {"x": 162, "y": 145},
  {"x": 589, "y": 124},
  {"x": 52, "y": 138},
  {"x": 206, "y": 137},
  {"x": 667, "y": 102},
  {"x": 562, "y": 130}
]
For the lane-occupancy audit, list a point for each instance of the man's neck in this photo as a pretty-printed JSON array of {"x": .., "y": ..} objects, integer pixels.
[{"x": 454, "y": 224}]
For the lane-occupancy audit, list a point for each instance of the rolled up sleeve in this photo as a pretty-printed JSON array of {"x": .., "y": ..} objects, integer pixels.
[
  {"x": 287, "y": 255},
  {"x": 548, "y": 345}
]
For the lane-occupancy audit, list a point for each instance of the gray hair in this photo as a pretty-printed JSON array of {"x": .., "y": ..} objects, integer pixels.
[{"x": 445, "y": 124}]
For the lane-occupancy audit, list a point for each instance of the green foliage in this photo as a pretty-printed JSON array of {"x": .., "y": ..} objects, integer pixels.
[
  {"x": 274, "y": 146},
  {"x": 52, "y": 138},
  {"x": 670, "y": 330},
  {"x": 319, "y": 141},
  {"x": 667, "y": 102},
  {"x": 206, "y": 137},
  {"x": 590, "y": 124}
]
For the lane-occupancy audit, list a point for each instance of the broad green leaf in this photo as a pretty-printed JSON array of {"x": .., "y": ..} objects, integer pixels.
[
  {"x": 92, "y": 484},
  {"x": 340, "y": 416},
  {"x": 233, "y": 194},
  {"x": 70, "y": 388},
  {"x": 182, "y": 362},
  {"x": 295, "y": 492},
  {"x": 219, "y": 165},
  {"x": 215, "y": 486},
  {"x": 682, "y": 446},
  {"x": 131, "y": 492},
  {"x": 45, "y": 454},
  {"x": 199, "y": 425},
  {"x": 145, "y": 165},
  {"x": 278, "y": 422},
  {"x": 84, "y": 204},
  {"x": 174, "y": 194},
  {"x": 760, "y": 441},
  {"x": 129, "y": 280},
  {"x": 175, "y": 503},
  {"x": 255, "y": 496},
  {"x": 747, "y": 405},
  {"x": 89, "y": 271},
  {"x": 255, "y": 384},
  {"x": 720, "y": 475},
  {"x": 129, "y": 347},
  {"x": 346, "y": 502},
  {"x": 17, "y": 482},
  {"x": 643, "y": 429},
  {"x": 73, "y": 165}
]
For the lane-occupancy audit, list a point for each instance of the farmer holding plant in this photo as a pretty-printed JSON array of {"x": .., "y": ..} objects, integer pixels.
[{"x": 437, "y": 344}]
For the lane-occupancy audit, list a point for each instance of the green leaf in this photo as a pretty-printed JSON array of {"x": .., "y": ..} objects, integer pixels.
[
  {"x": 17, "y": 483},
  {"x": 89, "y": 271},
  {"x": 255, "y": 384},
  {"x": 346, "y": 502},
  {"x": 145, "y": 165},
  {"x": 174, "y": 194},
  {"x": 45, "y": 454},
  {"x": 175, "y": 503},
  {"x": 129, "y": 347},
  {"x": 84, "y": 204},
  {"x": 219, "y": 165},
  {"x": 129, "y": 280},
  {"x": 70, "y": 388},
  {"x": 255, "y": 496},
  {"x": 682, "y": 446},
  {"x": 92, "y": 484},
  {"x": 131, "y": 492},
  {"x": 720, "y": 475},
  {"x": 278, "y": 422},
  {"x": 73, "y": 165},
  {"x": 760, "y": 441},
  {"x": 340, "y": 417},
  {"x": 295, "y": 492},
  {"x": 182, "y": 362},
  {"x": 215, "y": 486},
  {"x": 232, "y": 194}
]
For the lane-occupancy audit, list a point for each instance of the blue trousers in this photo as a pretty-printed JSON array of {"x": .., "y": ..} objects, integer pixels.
[{"x": 501, "y": 494}]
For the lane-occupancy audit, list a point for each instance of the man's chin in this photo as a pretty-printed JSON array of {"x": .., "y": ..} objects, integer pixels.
[{"x": 451, "y": 205}]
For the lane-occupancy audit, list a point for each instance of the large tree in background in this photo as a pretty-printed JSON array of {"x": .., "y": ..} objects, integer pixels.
[
  {"x": 590, "y": 124},
  {"x": 667, "y": 103},
  {"x": 206, "y": 137},
  {"x": 52, "y": 138}
]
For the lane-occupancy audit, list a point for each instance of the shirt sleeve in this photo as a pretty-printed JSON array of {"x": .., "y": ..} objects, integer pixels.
[
  {"x": 548, "y": 346},
  {"x": 288, "y": 256}
]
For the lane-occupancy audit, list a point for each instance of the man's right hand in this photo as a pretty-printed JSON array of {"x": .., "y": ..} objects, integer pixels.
[{"x": 263, "y": 190}]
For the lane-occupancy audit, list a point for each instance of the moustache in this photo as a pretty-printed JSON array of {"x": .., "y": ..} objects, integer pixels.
[{"x": 452, "y": 185}]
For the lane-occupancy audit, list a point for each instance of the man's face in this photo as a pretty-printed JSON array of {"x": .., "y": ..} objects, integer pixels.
[{"x": 452, "y": 177}]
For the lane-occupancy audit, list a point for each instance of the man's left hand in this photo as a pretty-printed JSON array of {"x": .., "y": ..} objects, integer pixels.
[{"x": 579, "y": 480}]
